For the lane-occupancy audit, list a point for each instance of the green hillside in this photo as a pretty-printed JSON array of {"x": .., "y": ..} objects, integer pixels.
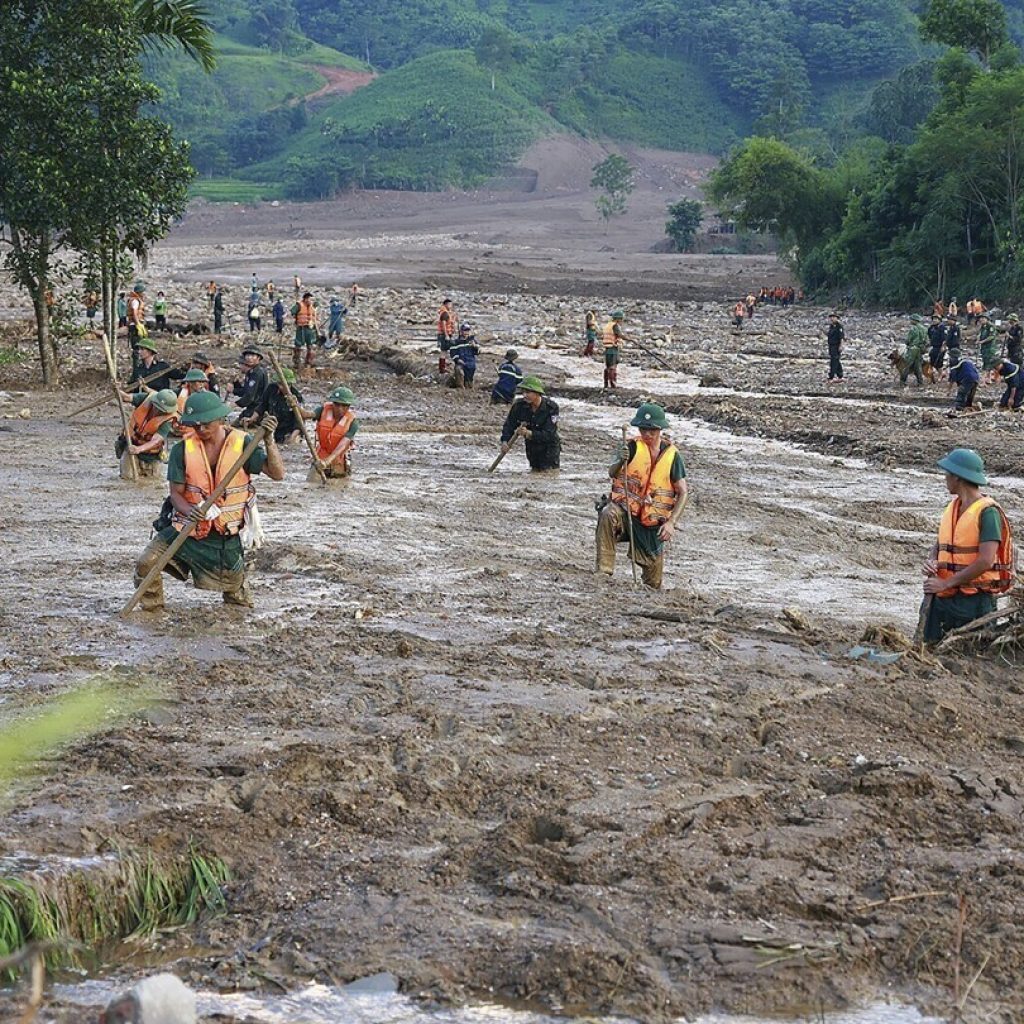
[{"x": 465, "y": 85}]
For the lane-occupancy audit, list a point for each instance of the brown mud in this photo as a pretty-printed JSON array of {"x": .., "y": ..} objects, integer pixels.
[{"x": 440, "y": 746}]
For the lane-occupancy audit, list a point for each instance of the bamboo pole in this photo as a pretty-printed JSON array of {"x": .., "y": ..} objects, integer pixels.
[
  {"x": 133, "y": 462},
  {"x": 290, "y": 398}
]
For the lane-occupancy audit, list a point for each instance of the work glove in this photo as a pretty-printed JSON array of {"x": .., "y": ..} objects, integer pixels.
[
  {"x": 621, "y": 453},
  {"x": 269, "y": 424}
]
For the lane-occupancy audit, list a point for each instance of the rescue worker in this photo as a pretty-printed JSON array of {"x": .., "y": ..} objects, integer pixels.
[
  {"x": 248, "y": 388},
  {"x": 192, "y": 383},
  {"x": 149, "y": 426},
  {"x": 936, "y": 344},
  {"x": 954, "y": 337},
  {"x": 589, "y": 333},
  {"x": 1015, "y": 339},
  {"x": 917, "y": 341},
  {"x": 335, "y": 321},
  {"x": 218, "y": 311},
  {"x": 1012, "y": 375},
  {"x": 353, "y": 295},
  {"x": 304, "y": 312},
  {"x": 739, "y": 311},
  {"x": 122, "y": 310},
  {"x": 988, "y": 339},
  {"x": 279, "y": 315},
  {"x": 297, "y": 285},
  {"x": 463, "y": 352},
  {"x": 211, "y": 292},
  {"x": 612, "y": 338},
  {"x": 273, "y": 403},
  {"x": 336, "y": 429},
  {"x": 199, "y": 361},
  {"x": 973, "y": 559},
  {"x": 160, "y": 311},
  {"x": 136, "y": 320},
  {"x": 92, "y": 302},
  {"x": 213, "y": 553},
  {"x": 147, "y": 364},
  {"x": 836, "y": 335},
  {"x": 952, "y": 310},
  {"x": 964, "y": 374},
  {"x": 509, "y": 378},
  {"x": 751, "y": 303},
  {"x": 445, "y": 333},
  {"x": 255, "y": 314},
  {"x": 534, "y": 417},
  {"x": 270, "y": 291},
  {"x": 656, "y": 482}
]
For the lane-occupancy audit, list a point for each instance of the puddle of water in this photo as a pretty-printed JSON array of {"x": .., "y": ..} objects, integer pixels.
[{"x": 365, "y": 1003}]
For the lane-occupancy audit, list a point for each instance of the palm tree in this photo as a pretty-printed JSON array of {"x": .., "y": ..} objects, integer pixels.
[{"x": 185, "y": 23}]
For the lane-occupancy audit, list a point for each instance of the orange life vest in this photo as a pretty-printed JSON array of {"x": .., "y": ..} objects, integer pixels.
[
  {"x": 136, "y": 308},
  {"x": 305, "y": 315},
  {"x": 331, "y": 429},
  {"x": 652, "y": 495},
  {"x": 200, "y": 482},
  {"x": 183, "y": 396},
  {"x": 960, "y": 541},
  {"x": 608, "y": 335},
  {"x": 146, "y": 421},
  {"x": 446, "y": 322},
  {"x": 739, "y": 309}
]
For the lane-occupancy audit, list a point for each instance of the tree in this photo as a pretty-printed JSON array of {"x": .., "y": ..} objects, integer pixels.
[
  {"x": 164, "y": 24},
  {"x": 975, "y": 25},
  {"x": 683, "y": 223},
  {"x": 614, "y": 176}
]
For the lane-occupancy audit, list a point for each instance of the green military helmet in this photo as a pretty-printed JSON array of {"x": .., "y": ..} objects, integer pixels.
[
  {"x": 195, "y": 377},
  {"x": 289, "y": 376},
  {"x": 916, "y": 318},
  {"x": 1014, "y": 318},
  {"x": 165, "y": 401},
  {"x": 650, "y": 416},
  {"x": 204, "y": 407},
  {"x": 139, "y": 286},
  {"x": 966, "y": 464},
  {"x": 531, "y": 384},
  {"x": 617, "y": 314},
  {"x": 147, "y": 345},
  {"x": 341, "y": 396}
]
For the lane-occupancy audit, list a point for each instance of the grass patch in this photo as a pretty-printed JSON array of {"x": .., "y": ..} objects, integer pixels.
[
  {"x": 124, "y": 896},
  {"x": 10, "y": 356},
  {"x": 232, "y": 190}
]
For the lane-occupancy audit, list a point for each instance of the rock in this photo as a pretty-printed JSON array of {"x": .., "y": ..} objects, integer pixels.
[
  {"x": 24, "y": 414},
  {"x": 160, "y": 999}
]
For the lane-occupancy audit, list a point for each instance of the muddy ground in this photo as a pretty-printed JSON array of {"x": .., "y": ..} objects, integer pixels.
[{"x": 442, "y": 747}]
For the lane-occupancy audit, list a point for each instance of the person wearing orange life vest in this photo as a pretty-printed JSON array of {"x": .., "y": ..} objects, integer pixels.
[
  {"x": 306, "y": 322},
  {"x": 739, "y": 311},
  {"x": 149, "y": 426},
  {"x": 446, "y": 321},
  {"x": 336, "y": 429},
  {"x": 192, "y": 383},
  {"x": 213, "y": 554},
  {"x": 653, "y": 495},
  {"x": 612, "y": 336},
  {"x": 973, "y": 560}
]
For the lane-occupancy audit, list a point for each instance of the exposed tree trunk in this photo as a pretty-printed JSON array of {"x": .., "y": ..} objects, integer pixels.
[{"x": 46, "y": 357}]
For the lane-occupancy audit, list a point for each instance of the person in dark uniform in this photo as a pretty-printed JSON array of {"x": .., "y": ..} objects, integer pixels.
[
  {"x": 274, "y": 403},
  {"x": 218, "y": 312},
  {"x": 148, "y": 362},
  {"x": 248, "y": 388},
  {"x": 964, "y": 374},
  {"x": 936, "y": 344},
  {"x": 836, "y": 335},
  {"x": 535, "y": 418},
  {"x": 1015, "y": 340}
]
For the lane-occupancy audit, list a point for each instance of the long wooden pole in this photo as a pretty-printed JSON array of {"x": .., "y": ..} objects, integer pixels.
[
  {"x": 625, "y": 491},
  {"x": 290, "y": 398},
  {"x": 106, "y": 398},
  {"x": 133, "y": 462},
  {"x": 190, "y": 525},
  {"x": 511, "y": 441}
]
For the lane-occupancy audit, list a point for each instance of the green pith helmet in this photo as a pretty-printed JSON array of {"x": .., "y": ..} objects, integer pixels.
[
  {"x": 916, "y": 318},
  {"x": 165, "y": 401},
  {"x": 531, "y": 384},
  {"x": 147, "y": 345},
  {"x": 341, "y": 396},
  {"x": 511, "y": 355},
  {"x": 204, "y": 407},
  {"x": 139, "y": 287},
  {"x": 966, "y": 464},
  {"x": 289, "y": 376},
  {"x": 1013, "y": 317},
  {"x": 195, "y": 377},
  {"x": 650, "y": 417},
  {"x": 617, "y": 314}
]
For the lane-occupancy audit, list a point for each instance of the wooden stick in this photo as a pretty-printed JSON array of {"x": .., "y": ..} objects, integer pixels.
[
  {"x": 977, "y": 974},
  {"x": 511, "y": 441},
  {"x": 106, "y": 398},
  {"x": 133, "y": 462},
  {"x": 625, "y": 491},
  {"x": 901, "y": 899},
  {"x": 189, "y": 526},
  {"x": 293, "y": 403}
]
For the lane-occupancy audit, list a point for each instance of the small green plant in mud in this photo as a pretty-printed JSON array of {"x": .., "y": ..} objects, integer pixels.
[
  {"x": 109, "y": 899},
  {"x": 8, "y": 356}
]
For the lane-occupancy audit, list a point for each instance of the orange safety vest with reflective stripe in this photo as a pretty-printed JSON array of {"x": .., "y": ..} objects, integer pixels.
[
  {"x": 136, "y": 308},
  {"x": 652, "y": 496},
  {"x": 305, "y": 315},
  {"x": 446, "y": 326},
  {"x": 146, "y": 421},
  {"x": 960, "y": 541},
  {"x": 331, "y": 429},
  {"x": 608, "y": 335},
  {"x": 200, "y": 483}
]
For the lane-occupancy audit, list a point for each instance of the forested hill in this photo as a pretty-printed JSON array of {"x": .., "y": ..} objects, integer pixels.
[{"x": 464, "y": 85}]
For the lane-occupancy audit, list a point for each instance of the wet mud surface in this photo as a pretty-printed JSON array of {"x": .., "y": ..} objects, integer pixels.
[{"x": 440, "y": 746}]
